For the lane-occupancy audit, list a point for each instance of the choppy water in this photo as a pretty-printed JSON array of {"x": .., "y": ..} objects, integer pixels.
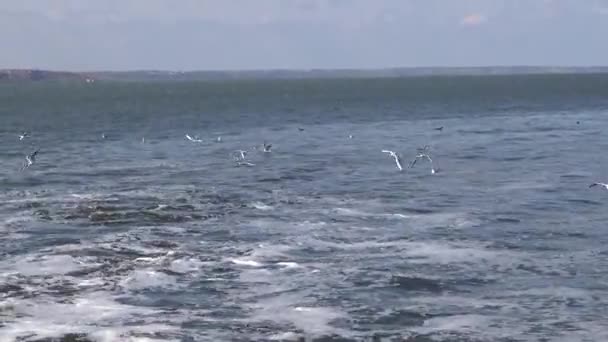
[{"x": 323, "y": 239}]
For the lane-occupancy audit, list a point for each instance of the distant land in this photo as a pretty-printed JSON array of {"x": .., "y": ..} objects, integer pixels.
[{"x": 32, "y": 75}]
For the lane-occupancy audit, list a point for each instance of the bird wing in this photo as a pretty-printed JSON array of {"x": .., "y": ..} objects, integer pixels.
[
  {"x": 413, "y": 162},
  {"x": 398, "y": 162}
]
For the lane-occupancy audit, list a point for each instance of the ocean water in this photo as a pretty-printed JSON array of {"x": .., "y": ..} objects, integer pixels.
[{"x": 323, "y": 239}]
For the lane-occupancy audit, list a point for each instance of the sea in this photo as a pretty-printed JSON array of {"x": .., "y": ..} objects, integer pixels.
[{"x": 145, "y": 235}]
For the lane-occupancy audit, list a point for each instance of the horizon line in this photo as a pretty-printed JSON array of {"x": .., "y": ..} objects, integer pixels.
[{"x": 371, "y": 69}]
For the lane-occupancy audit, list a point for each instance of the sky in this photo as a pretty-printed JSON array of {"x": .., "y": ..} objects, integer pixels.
[{"x": 182, "y": 35}]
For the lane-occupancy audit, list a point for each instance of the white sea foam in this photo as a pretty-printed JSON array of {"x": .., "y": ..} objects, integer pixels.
[
  {"x": 118, "y": 334},
  {"x": 160, "y": 207},
  {"x": 246, "y": 262},
  {"x": 310, "y": 319},
  {"x": 16, "y": 220},
  {"x": 354, "y": 212},
  {"x": 96, "y": 314},
  {"x": 447, "y": 253},
  {"x": 261, "y": 206},
  {"x": 460, "y": 323},
  {"x": 270, "y": 251},
  {"x": 50, "y": 265},
  {"x": 448, "y": 220},
  {"x": 94, "y": 282},
  {"x": 147, "y": 278},
  {"x": 186, "y": 265},
  {"x": 285, "y": 336}
]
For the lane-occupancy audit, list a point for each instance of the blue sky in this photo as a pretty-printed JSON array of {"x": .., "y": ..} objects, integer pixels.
[{"x": 300, "y": 34}]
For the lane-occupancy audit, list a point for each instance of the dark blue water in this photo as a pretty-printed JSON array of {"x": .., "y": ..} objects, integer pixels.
[{"x": 323, "y": 238}]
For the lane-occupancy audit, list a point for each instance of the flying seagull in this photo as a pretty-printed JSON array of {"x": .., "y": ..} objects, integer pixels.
[
  {"x": 103, "y": 135},
  {"x": 267, "y": 147},
  {"x": 195, "y": 139},
  {"x": 421, "y": 155},
  {"x": 23, "y": 135},
  {"x": 600, "y": 184},
  {"x": 239, "y": 158},
  {"x": 300, "y": 129},
  {"x": 397, "y": 158},
  {"x": 30, "y": 159},
  {"x": 439, "y": 129},
  {"x": 240, "y": 154}
]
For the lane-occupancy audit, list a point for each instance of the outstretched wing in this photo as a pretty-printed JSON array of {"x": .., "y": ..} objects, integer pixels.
[{"x": 398, "y": 162}]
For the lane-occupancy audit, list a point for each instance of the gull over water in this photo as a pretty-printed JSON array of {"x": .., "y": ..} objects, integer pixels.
[
  {"x": 30, "y": 159},
  {"x": 396, "y": 157},
  {"x": 195, "y": 139}
]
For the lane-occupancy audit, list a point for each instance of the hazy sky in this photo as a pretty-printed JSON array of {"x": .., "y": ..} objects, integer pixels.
[{"x": 256, "y": 34}]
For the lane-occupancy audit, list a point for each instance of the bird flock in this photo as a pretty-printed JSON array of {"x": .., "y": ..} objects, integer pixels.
[{"x": 240, "y": 156}]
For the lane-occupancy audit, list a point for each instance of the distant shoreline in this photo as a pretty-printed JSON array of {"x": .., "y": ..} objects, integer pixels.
[{"x": 33, "y": 75}]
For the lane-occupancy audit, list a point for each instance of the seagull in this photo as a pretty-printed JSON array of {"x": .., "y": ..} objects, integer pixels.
[
  {"x": 300, "y": 129},
  {"x": 239, "y": 158},
  {"x": 103, "y": 135},
  {"x": 23, "y": 135},
  {"x": 267, "y": 147},
  {"x": 350, "y": 136},
  {"x": 195, "y": 139},
  {"x": 30, "y": 159},
  {"x": 422, "y": 155},
  {"x": 219, "y": 139},
  {"x": 397, "y": 158},
  {"x": 240, "y": 155},
  {"x": 439, "y": 129},
  {"x": 600, "y": 184}
]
